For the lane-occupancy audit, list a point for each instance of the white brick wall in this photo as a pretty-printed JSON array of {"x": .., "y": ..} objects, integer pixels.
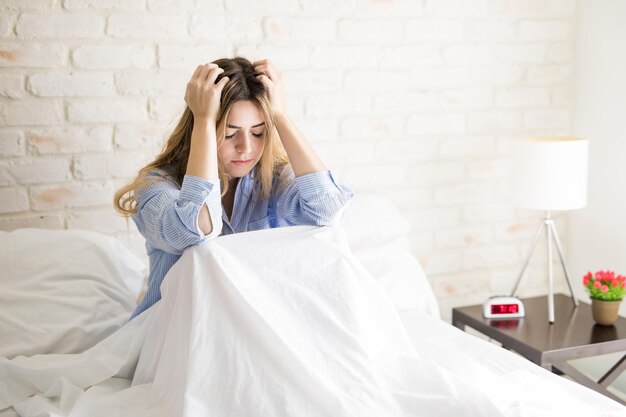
[
  {"x": 31, "y": 112},
  {"x": 417, "y": 100},
  {"x": 107, "y": 111},
  {"x": 11, "y": 85},
  {"x": 67, "y": 85},
  {"x": 52, "y": 25},
  {"x": 68, "y": 140},
  {"x": 11, "y": 143},
  {"x": 113, "y": 56}
]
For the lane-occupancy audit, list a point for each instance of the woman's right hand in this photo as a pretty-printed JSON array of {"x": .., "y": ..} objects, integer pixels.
[{"x": 203, "y": 94}]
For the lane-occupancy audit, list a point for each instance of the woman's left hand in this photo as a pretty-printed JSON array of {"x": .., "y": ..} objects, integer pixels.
[{"x": 271, "y": 77}]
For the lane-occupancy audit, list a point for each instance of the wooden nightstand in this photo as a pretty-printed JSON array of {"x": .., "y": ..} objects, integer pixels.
[{"x": 574, "y": 335}]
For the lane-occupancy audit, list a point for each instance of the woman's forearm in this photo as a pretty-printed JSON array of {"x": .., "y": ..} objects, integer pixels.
[
  {"x": 202, "y": 163},
  {"x": 203, "y": 150},
  {"x": 302, "y": 156}
]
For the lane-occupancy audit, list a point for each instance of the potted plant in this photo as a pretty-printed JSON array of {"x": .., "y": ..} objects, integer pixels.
[{"x": 606, "y": 291}]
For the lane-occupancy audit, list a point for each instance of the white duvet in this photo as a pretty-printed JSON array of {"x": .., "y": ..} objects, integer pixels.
[{"x": 281, "y": 322}]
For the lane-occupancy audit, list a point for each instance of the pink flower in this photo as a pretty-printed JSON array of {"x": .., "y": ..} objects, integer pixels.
[{"x": 605, "y": 285}]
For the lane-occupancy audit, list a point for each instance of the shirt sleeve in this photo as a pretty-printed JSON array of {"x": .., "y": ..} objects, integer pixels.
[
  {"x": 311, "y": 199},
  {"x": 170, "y": 214}
]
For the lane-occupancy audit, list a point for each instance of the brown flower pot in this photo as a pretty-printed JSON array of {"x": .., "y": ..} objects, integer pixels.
[{"x": 605, "y": 312}]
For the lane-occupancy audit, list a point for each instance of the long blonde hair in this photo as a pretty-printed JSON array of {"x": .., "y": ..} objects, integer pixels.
[{"x": 243, "y": 85}]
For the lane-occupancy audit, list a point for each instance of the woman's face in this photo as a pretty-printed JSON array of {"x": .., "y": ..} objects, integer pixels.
[{"x": 245, "y": 139}]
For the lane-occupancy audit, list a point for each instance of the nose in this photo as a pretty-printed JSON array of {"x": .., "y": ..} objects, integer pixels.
[{"x": 245, "y": 144}]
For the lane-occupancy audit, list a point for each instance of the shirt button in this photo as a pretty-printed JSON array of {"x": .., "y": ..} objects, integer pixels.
[{"x": 205, "y": 193}]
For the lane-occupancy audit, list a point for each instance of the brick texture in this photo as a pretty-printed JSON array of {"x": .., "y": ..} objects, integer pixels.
[{"x": 415, "y": 100}]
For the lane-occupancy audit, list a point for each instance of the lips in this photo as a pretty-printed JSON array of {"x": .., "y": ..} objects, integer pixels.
[{"x": 241, "y": 162}]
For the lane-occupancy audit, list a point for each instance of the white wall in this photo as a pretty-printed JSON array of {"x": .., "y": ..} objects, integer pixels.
[
  {"x": 597, "y": 233},
  {"x": 597, "y": 238},
  {"x": 414, "y": 99}
]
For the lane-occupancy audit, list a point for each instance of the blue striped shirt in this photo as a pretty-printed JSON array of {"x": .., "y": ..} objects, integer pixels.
[{"x": 167, "y": 214}]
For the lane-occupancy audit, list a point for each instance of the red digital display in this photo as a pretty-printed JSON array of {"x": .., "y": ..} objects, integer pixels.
[{"x": 504, "y": 308}]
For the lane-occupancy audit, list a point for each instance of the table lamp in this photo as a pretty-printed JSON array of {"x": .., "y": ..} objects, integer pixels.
[{"x": 550, "y": 175}]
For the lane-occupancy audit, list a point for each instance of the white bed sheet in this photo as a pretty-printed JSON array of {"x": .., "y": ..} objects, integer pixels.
[
  {"x": 497, "y": 369},
  {"x": 382, "y": 246},
  {"x": 9, "y": 412},
  {"x": 283, "y": 334},
  {"x": 69, "y": 288}
]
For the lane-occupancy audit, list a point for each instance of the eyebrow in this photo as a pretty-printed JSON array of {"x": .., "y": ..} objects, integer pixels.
[{"x": 239, "y": 127}]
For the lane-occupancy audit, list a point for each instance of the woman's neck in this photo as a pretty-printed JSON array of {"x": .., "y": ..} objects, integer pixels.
[
  {"x": 232, "y": 184},
  {"x": 228, "y": 200}
]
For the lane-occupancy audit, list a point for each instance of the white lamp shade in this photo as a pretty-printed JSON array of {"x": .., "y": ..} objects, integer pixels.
[{"x": 551, "y": 173}]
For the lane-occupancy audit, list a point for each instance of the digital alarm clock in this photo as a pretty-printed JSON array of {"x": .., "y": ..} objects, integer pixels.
[{"x": 503, "y": 307}]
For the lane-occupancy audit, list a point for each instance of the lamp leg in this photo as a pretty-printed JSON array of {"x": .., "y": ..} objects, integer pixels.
[
  {"x": 555, "y": 235},
  {"x": 550, "y": 275},
  {"x": 530, "y": 254}
]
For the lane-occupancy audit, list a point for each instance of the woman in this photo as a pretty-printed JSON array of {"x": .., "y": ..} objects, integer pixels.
[{"x": 234, "y": 163}]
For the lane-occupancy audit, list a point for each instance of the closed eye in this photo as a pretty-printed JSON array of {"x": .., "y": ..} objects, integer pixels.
[{"x": 258, "y": 135}]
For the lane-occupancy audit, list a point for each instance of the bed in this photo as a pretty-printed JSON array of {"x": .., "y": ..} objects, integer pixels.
[{"x": 368, "y": 342}]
